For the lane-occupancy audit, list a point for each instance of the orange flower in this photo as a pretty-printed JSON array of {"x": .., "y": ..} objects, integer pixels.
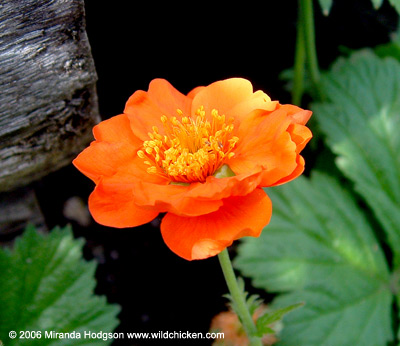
[{"x": 201, "y": 158}]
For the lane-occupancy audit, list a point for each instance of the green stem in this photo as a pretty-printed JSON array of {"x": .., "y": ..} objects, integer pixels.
[
  {"x": 309, "y": 35},
  {"x": 299, "y": 60},
  {"x": 238, "y": 298}
]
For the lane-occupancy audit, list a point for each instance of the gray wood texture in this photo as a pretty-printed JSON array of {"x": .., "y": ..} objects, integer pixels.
[{"x": 48, "y": 102}]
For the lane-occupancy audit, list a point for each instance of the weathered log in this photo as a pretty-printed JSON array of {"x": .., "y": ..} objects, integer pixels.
[{"x": 48, "y": 102}]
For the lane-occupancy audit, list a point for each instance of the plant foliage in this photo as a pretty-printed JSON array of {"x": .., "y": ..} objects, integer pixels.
[
  {"x": 47, "y": 286},
  {"x": 360, "y": 120},
  {"x": 321, "y": 247},
  {"x": 326, "y": 5}
]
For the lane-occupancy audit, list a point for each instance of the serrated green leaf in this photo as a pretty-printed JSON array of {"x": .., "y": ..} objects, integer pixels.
[
  {"x": 47, "y": 286},
  {"x": 360, "y": 119},
  {"x": 396, "y": 286},
  {"x": 391, "y": 49},
  {"x": 263, "y": 330},
  {"x": 325, "y": 6},
  {"x": 396, "y": 5},
  {"x": 271, "y": 317},
  {"x": 268, "y": 318},
  {"x": 253, "y": 301},
  {"x": 377, "y": 3},
  {"x": 320, "y": 249}
]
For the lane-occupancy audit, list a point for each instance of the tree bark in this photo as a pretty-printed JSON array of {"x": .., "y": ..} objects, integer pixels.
[{"x": 48, "y": 102}]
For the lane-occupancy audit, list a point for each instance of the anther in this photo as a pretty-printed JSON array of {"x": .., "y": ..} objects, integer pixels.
[
  {"x": 152, "y": 170},
  {"x": 141, "y": 154},
  {"x": 190, "y": 149}
]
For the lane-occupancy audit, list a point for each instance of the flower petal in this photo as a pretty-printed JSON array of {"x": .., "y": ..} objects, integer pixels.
[
  {"x": 100, "y": 159},
  {"x": 112, "y": 205},
  {"x": 114, "y": 153},
  {"x": 220, "y": 188},
  {"x": 115, "y": 146},
  {"x": 263, "y": 141},
  {"x": 298, "y": 115},
  {"x": 301, "y": 135},
  {"x": 206, "y": 235},
  {"x": 145, "y": 109},
  {"x": 283, "y": 163},
  {"x": 233, "y": 97},
  {"x": 116, "y": 130},
  {"x": 297, "y": 171},
  {"x": 258, "y": 101},
  {"x": 272, "y": 140},
  {"x": 195, "y": 91},
  {"x": 172, "y": 198},
  {"x": 195, "y": 199}
]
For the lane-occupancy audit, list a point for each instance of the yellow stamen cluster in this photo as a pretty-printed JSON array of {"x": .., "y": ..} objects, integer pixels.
[{"x": 191, "y": 149}]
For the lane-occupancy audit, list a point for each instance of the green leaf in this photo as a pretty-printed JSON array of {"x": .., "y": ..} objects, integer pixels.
[
  {"x": 253, "y": 301},
  {"x": 325, "y": 6},
  {"x": 320, "y": 249},
  {"x": 390, "y": 49},
  {"x": 396, "y": 5},
  {"x": 264, "y": 321},
  {"x": 377, "y": 3},
  {"x": 360, "y": 119},
  {"x": 396, "y": 288},
  {"x": 47, "y": 286}
]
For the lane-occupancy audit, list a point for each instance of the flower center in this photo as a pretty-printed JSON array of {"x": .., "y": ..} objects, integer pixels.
[{"x": 192, "y": 148}]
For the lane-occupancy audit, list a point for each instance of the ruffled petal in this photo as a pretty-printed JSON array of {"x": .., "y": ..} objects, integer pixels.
[
  {"x": 116, "y": 130},
  {"x": 111, "y": 204},
  {"x": 297, "y": 115},
  {"x": 195, "y": 91},
  {"x": 259, "y": 101},
  {"x": 115, "y": 146},
  {"x": 101, "y": 159},
  {"x": 145, "y": 109},
  {"x": 297, "y": 171},
  {"x": 233, "y": 97},
  {"x": 301, "y": 135},
  {"x": 114, "y": 153},
  {"x": 283, "y": 163},
  {"x": 220, "y": 188},
  {"x": 206, "y": 235},
  {"x": 272, "y": 140},
  {"x": 195, "y": 199},
  {"x": 172, "y": 198},
  {"x": 264, "y": 142}
]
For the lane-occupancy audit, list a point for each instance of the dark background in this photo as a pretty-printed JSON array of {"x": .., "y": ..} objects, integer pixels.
[{"x": 189, "y": 45}]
